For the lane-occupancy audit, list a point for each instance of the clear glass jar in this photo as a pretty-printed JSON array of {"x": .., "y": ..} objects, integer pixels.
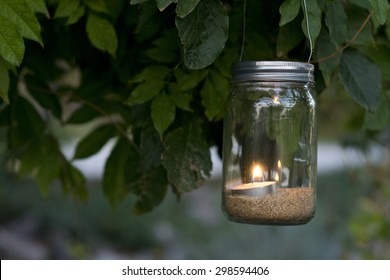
[{"x": 270, "y": 144}]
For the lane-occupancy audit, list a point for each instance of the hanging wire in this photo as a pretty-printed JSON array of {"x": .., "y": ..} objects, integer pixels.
[
  {"x": 243, "y": 31},
  {"x": 307, "y": 27},
  {"x": 308, "y": 30}
]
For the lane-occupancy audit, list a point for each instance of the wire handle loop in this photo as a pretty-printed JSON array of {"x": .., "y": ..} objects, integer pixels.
[
  {"x": 308, "y": 30},
  {"x": 307, "y": 27},
  {"x": 243, "y": 31}
]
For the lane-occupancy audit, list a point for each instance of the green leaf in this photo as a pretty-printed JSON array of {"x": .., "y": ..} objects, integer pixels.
[
  {"x": 31, "y": 157},
  {"x": 380, "y": 118},
  {"x": 361, "y": 78},
  {"x": 380, "y": 54},
  {"x": 115, "y": 8},
  {"x": 151, "y": 147},
  {"x": 162, "y": 55},
  {"x": 38, "y": 6},
  {"x": 387, "y": 27},
  {"x": 225, "y": 61},
  {"x": 203, "y": 33},
  {"x": 181, "y": 99},
  {"x": 98, "y": 6},
  {"x": 42, "y": 93},
  {"x": 380, "y": 8},
  {"x": 94, "y": 141},
  {"x": 114, "y": 184},
  {"x": 190, "y": 80},
  {"x": 168, "y": 41},
  {"x": 18, "y": 12},
  {"x": 151, "y": 190},
  {"x": 151, "y": 74},
  {"x": 325, "y": 48},
  {"x": 336, "y": 21},
  {"x": 66, "y": 8},
  {"x": 186, "y": 158},
  {"x": 102, "y": 34},
  {"x": 289, "y": 11},
  {"x": 149, "y": 22},
  {"x": 44, "y": 177},
  {"x": 288, "y": 38},
  {"x": 314, "y": 16},
  {"x": 184, "y": 7},
  {"x": 76, "y": 15},
  {"x": 4, "y": 83},
  {"x": 162, "y": 4},
  {"x": 133, "y": 167},
  {"x": 145, "y": 92},
  {"x": 49, "y": 170},
  {"x": 257, "y": 47},
  {"x": 83, "y": 115},
  {"x": 356, "y": 17},
  {"x": 214, "y": 94},
  {"x": 28, "y": 124},
  {"x": 11, "y": 42},
  {"x": 163, "y": 113},
  {"x": 73, "y": 180},
  {"x": 48, "y": 163}
]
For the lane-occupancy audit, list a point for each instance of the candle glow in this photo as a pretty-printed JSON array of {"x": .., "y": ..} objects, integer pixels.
[
  {"x": 258, "y": 186},
  {"x": 256, "y": 173}
]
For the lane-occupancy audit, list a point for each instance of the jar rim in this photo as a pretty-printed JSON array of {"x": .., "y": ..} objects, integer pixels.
[{"x": 273, "y": 71}]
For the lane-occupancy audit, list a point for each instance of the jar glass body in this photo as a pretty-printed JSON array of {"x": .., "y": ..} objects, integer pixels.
[{"x": 270, "y": 153}]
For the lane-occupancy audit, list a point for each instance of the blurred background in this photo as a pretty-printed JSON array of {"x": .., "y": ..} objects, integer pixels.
[{"x": 352, "y": 219}]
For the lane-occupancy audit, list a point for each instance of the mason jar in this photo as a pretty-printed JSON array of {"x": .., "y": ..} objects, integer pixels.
[{"x": 270, "y": 144}]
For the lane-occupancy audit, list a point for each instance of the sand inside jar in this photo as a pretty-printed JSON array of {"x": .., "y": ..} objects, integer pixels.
[{"x": 285, "y": 206}]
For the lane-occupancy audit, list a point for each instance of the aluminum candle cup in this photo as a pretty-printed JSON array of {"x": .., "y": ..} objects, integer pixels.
[
  {"x": 254, "y": 189},
  {"x": 270, "y": 144}
]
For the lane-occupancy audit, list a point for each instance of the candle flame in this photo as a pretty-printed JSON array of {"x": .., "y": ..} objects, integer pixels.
[
  {"x": 277, "y": 177},
  {"x": 256, "y": 173},
  {"x": 279, "y": 164},
  {"x": 276, "y": 100}
]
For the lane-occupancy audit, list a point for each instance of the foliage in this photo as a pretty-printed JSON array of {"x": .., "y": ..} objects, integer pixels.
[
  {"x": 155, "y": 74},
  {"x": 370, "y": 224}
]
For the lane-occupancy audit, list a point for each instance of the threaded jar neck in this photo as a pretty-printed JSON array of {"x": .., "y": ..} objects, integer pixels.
[{"x": 289, "y": 71}]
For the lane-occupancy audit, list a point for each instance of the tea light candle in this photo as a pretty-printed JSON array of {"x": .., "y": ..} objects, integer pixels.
[{"x": 255, "y": 188}]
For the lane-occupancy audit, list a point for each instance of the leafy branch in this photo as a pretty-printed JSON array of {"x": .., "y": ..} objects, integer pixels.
[{"x": 340, "y": 50}]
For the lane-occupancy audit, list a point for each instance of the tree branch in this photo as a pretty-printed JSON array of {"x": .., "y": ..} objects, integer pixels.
[
  {"x": 340, "y": 50},
  {"x": 97, "y": 109}
]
